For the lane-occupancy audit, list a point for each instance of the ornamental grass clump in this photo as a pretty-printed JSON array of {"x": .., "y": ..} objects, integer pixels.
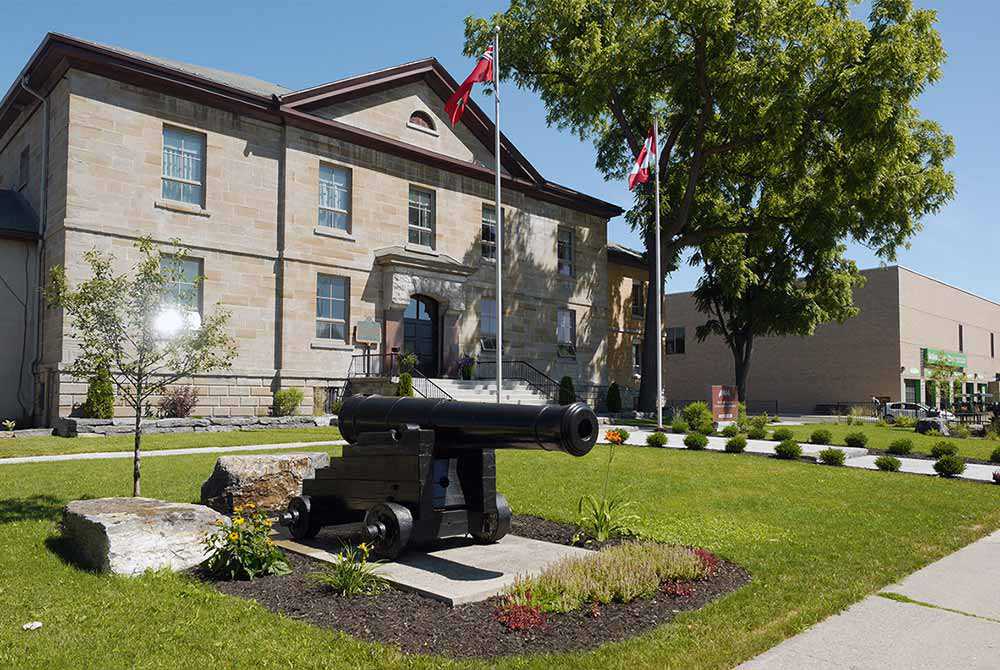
[
  {"x": 736, "y": 445},
  {"x": 888, "y": 463},
  {"x": 353, "y": 574},
  {"x": 680, "y": 426},
  {"x": 900, "y": 447},
  {"x": 821, "y": 436},
  {"x": 857, "y": 439},
  {"x": 606, "y": 517},
  {"x": 656, "y": 439},
  {"x": 621, "y": 574},
  {"x": 242, "y": 548},
  {"x": 832, "y": 456},
  {"x": 695, "y": 441},
  {"x": 788, "y": 450},
  {"x": 950, "y": 465}
]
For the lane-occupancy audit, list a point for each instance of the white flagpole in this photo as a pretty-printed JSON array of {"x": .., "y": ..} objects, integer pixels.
[
  {"x": 498, "y": 212},
  {"x": 658, "y": 279}
]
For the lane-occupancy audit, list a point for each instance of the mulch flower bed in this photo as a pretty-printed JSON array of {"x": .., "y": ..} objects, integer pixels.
[{"x": 417, "y": 624}]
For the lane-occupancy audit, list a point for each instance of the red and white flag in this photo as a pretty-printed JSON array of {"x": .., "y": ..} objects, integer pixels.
[
  {"x": 644, "y": 162},
  {"x": 483, "y": 72}
]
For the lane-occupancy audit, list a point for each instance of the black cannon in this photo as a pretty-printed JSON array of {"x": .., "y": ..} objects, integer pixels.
[{"x": 418, "y": 470}]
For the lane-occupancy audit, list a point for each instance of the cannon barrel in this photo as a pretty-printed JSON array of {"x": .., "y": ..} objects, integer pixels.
[{"x": 474, "y": 425}]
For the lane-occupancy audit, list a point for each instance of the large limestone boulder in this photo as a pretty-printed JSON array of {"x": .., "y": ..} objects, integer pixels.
[
  {"x": 127, "y": 536},
  {"x": 929, "y": 423},
  {"x": 267, "y": 480}
]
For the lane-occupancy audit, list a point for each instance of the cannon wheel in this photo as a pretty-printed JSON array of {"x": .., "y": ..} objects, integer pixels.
[
  {"x": 303, "y": 524},
  {"x": 495, "y": 527},
  {"x": 396, "y": 526}
]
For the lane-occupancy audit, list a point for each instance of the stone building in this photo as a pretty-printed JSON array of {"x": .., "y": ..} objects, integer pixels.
[{"x": 307, "y": 213}]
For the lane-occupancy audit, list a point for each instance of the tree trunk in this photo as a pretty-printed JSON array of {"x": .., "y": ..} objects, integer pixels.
[
  {"x": 650, "y": 339},
  {"x": 742, "y": 353},
  {"x": 137, "y": 451}
]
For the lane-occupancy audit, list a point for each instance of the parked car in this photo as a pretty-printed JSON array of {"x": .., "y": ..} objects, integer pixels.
[{"x": 913, "y": 410}]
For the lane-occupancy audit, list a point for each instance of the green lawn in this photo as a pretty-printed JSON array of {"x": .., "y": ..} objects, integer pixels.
[
  {"x": 39, "y": 446},
  {"x": 814, "y": 539},
  {"x": 879, "y": 438}
]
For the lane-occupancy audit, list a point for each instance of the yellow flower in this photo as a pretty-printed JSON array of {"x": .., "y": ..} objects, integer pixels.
[
  {"x": 234, "y": 536},
  {"x": 239, "y": 521},
  {"x": 268, "y": 523}
]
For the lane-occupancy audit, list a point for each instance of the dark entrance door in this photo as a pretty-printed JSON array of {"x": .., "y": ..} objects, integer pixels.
[{"x": 420, "y": 333}]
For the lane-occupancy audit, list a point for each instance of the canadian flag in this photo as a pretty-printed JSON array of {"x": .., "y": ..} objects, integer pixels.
[
  {"x": 458, "y": 101},
  {"x": 644, "y": 162}
]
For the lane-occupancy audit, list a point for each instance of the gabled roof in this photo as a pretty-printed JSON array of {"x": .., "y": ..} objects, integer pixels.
[
  {"x": 17, "y": 219},
  {"x": 621, "y": 254},
  {"x": 278, "y": 104}
]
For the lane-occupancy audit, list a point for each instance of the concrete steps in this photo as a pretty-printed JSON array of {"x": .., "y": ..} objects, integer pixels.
[{"x": 481, "y": 390}]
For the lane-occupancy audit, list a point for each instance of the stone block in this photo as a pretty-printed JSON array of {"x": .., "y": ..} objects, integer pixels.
[
  {"x": 269, "y": 480},
  {"x": 930, "y": 423},
  {"x": 127, "y": 536}
]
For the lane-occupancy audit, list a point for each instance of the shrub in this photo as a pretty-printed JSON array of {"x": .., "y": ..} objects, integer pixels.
[
  {"x": 466, "y": 366},
  {"x": 736, "y": 444},
  {"x": 407, "y": 362},
  {"x": 353, "y": 574},
  {"x": 900, "y": 447},
  {"x": 933, "y": 432},
  {"x": 603, "y": 519},
  {"x": 100, "y": 402},
  {"x": 614, "y": 398},
  {"x": 695, "y": 441},
  {"x": 732, "y": 430},
  {"x": 857, "y": 439},
  {"x": 287, "y": 401},
  {"x": 336, "y": 406},
  {"x": 622, "y": 573},
  {"x": 832, "y": 456},
  {"x": 950, "y": 465},
  {"x": 242, "y": 549},
  {"x": 405, "y": 387},
  {"x": 680, "y": 426},
  {"x": 960, "y": 431},
  {"x": 781, "y": 434},
  {"x": 523, "y": 615},
  {"x": 178, "y": 402},
  {"x": 788, "y": 450},
  {"x": 656, "y": 439},
  {"x": 821, "y": 436},
  {"x": 887, "y": 463},
  {"x": 760, "y": 421},
  {"x": 944, "y": 448},
  {"x": 698, "y": 416},
  {"x": 904, "y": 421},
  {"x": 567, "y": 392},
  {"x": 757, "y": 433},
  {"x": 995, "y": 456}
]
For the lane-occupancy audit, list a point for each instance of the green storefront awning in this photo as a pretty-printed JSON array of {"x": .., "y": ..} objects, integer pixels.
[{"x": 950, "y": 359}]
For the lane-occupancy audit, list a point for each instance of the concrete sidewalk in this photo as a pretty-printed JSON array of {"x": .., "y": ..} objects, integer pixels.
[
  {"x": 949, "y": 617},
  {"x": 166, "y": 452}
]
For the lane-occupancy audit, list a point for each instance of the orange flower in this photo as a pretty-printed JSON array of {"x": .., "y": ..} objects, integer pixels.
[{"x": 614, "y": 437}]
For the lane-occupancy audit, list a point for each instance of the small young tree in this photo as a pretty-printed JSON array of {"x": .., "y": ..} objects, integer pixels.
[{"x": 142, "y": 326}]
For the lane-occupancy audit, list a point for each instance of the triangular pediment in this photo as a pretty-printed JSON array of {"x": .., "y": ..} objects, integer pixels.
[{"x": 384, "y": 103}]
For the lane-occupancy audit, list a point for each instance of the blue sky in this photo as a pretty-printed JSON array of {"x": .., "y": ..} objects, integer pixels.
[{"x": 298, "y": 44}]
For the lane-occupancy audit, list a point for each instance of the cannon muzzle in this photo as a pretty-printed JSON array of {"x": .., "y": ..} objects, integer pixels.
[{"x": 571, "y": 429}]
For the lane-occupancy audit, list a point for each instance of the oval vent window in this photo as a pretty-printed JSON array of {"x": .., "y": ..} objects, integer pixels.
[{"x": 421, "y": 120}]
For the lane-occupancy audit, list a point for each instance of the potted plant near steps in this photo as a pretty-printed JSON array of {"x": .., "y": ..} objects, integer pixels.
[{"x": 466, "y": 367}]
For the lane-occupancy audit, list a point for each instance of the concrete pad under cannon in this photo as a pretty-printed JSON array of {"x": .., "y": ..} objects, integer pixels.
[{"x": 456, "y": 570}]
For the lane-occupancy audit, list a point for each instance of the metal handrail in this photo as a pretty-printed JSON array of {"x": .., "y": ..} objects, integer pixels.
[
  {"x": 526, "y": 372},
  {"x": 387, "y": 365}
]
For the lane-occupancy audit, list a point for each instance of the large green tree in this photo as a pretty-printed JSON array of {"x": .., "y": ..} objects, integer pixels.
[
  {"x": 824, "y": 99},
  {"x": 142, "y": 327}
]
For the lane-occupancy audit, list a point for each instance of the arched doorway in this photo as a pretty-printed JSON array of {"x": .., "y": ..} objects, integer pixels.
[{"x": 420, "y": 333}]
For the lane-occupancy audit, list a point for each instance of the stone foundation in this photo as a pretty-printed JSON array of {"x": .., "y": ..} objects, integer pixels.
[{"x": 72, "y": 427}]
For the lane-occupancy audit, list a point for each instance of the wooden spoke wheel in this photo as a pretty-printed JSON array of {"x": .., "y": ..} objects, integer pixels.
[
  {"x": 395, "y": 524},
  {"x": 494, "y": 526}
]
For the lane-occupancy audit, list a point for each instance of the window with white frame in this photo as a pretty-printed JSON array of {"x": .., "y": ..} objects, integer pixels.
[
  {"x": 675, "y": 340},
  {"x": 566, "y": 332},
  {"x": 331, "y": 307},
  {"x": 183, "y": 166},
  {"x": 335, "y": 197},
  {"x": 637, "y": 358},
  {"x": 421, "y": 217},
  {"x": 564, "y": 252},
  {"x": 489, "y": 231},
  {"x": 183, "y": 277},
  {"x": 488, "y": 324},
  {"x": 638, "y": 299}
]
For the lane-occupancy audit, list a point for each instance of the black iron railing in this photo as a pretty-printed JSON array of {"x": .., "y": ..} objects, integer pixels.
[
  {"x": 515, "y": 370},
  {"x": 388, "y": 365}
]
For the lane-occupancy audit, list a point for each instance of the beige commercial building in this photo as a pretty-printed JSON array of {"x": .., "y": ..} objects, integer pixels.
[
  {"x": 908, "y": 324},
  {"x": 307, "y": 213}
]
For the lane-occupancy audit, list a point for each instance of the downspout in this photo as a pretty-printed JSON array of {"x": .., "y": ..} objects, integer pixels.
[{"x": 40, "y": 244}]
